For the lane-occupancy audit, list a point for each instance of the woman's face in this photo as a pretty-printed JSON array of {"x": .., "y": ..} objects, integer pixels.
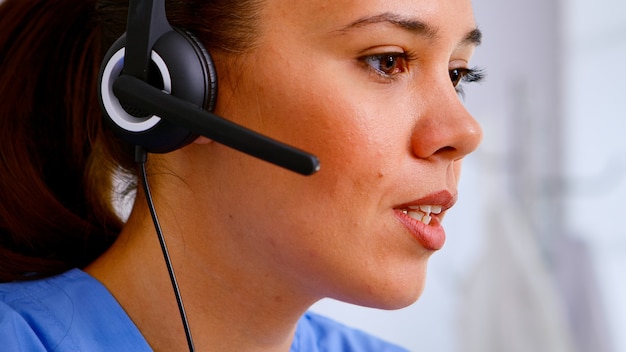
[{"x": 368, "y": 86}]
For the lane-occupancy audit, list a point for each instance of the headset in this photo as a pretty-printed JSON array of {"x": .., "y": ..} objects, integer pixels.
[
  {"x": 158, "y": 84},
  {"x": 157, "y": 87}
]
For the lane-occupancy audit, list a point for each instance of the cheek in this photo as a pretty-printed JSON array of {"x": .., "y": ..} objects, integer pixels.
[
  {"x": 346, "y": 129},
  {"x": 319, "y": 108}
]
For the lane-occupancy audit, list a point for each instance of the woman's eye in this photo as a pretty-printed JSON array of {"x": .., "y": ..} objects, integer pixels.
[
  {"x": 387, "y": 64},
  {"x": 456, "y": 75},
  {"x": 468, "y": 75}
]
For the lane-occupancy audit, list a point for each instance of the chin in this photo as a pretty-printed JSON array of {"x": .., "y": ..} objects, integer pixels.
[
  {"x": 399, "y": 301},
  {"x": 400, "y": 290},
  {"x": 387, "y": 297},
  {"x": 394, "y": 286}
]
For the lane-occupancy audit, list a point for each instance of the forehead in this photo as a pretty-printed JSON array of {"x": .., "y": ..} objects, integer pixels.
[{"x": 313, "y": 16}]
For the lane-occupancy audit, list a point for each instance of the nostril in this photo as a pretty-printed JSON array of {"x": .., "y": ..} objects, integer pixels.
[{"x": 446, "y": 149}]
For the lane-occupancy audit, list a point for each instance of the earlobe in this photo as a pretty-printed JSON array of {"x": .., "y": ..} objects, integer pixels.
[{"x": 202, "y": 140}]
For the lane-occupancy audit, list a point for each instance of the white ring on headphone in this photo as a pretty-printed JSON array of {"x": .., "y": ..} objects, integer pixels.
[{"x": 112, "y": 105}]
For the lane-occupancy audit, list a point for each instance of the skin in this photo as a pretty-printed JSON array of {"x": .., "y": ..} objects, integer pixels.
[{"x": 254, "y": 245}]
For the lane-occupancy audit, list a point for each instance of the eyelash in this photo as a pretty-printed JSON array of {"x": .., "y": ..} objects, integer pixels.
[{"x": 463, "y": 75}]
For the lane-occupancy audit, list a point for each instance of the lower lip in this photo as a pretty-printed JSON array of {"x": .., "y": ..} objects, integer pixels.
[{"x": 431, "y": 237}]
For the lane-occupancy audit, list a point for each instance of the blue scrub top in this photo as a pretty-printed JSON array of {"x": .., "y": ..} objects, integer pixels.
[{"x": 75, "y": 312}]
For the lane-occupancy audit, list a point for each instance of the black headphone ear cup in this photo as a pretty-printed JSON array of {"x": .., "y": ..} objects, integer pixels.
[
  {"x": 210, "y": 73},
  {"x": 179, "y": 66}
]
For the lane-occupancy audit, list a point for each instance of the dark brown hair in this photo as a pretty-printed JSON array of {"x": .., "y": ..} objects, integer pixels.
[{"x": 57, "y": 158}]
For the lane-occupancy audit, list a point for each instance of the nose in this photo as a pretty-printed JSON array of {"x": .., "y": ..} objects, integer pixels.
[{"x": 445, "y": 129}]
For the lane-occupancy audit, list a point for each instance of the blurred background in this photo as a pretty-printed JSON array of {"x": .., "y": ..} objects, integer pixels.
[{"x": 536, "y": 253}]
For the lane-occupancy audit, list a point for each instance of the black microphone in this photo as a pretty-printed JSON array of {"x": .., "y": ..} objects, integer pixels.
[{"x": 139, "y": 94}]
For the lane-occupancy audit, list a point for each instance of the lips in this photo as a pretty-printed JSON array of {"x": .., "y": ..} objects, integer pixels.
[{"x": 422, "y": 218}]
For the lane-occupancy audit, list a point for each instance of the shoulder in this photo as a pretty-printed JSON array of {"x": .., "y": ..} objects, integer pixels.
[
  {"x": 69, "y": 312},
  {"x": 319, "y": 333},
  {"x": 32, "y": 314},
  {"x": 15, "y": 333}
]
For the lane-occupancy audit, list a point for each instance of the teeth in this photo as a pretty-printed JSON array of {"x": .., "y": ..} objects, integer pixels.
[
  {"x": 417, "y": 215},
  {"x": 422, "y": 212}
]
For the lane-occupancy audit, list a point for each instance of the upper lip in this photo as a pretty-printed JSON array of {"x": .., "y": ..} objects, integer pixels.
[{"x": 443, "y": 198}]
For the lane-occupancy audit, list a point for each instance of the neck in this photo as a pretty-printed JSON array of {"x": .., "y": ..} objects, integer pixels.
[{"x": 231, "y": 304}]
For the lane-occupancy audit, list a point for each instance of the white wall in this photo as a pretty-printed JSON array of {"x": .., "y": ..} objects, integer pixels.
[{"x": 595, "y": 48}]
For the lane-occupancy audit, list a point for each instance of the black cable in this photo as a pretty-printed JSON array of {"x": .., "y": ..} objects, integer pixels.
[{"x": 141, "y": 156}]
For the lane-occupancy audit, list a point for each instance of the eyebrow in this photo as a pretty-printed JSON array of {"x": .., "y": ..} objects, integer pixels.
[
  {"x": 412, "y": 25},
  {"x": 473, "y": 37}
]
